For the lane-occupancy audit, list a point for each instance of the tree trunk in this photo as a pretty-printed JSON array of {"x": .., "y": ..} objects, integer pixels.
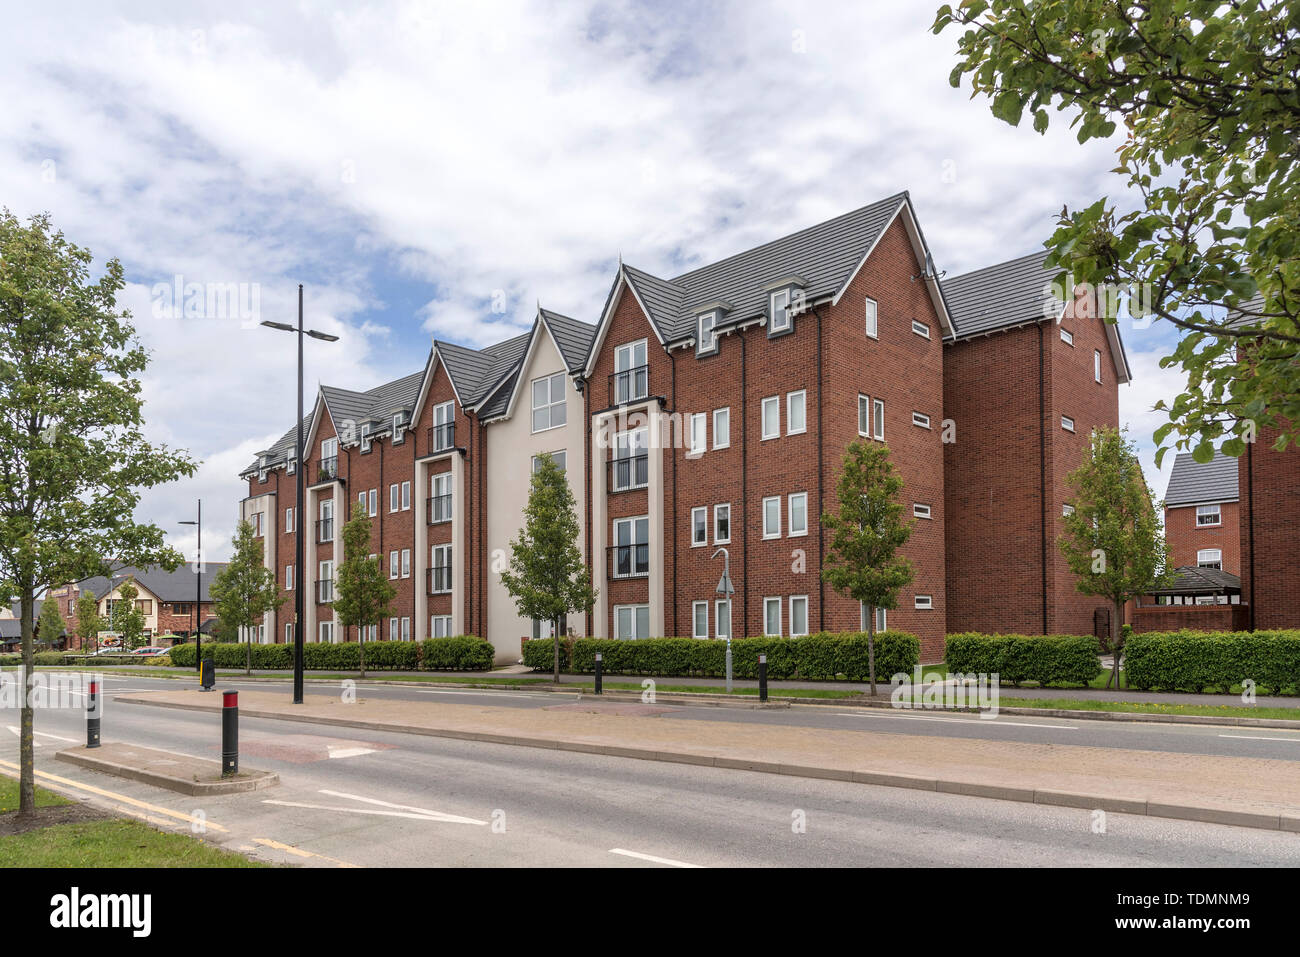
[
  {"x": 871, "y": 646},
  {"x": 1117, "y": 634},
  {"x": 248, "y": 656},
  {"x": 26, "y": 755},
  {"x": 555, "y": 638},
  {"x": 361, "y": 642}
]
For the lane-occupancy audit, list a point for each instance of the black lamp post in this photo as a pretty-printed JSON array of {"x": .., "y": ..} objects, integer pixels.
[
  {"x": 198, "y": 591},
  {"x": 299, "y": 612}
]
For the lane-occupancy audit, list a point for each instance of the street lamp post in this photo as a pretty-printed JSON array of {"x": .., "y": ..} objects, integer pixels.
[
  {"x": 726, "y": 589},
  {"x": 299, "y": 612},
  {"x": 198, "y": 591}
]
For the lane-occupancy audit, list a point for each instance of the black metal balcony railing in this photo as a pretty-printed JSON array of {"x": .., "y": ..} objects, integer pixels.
[
  {"x": 629, "y": 385},
  {"x": 439, "y": 579},
  {"x": 325, "y": 591},
  {"x": 629, "y": 561},
  {"x": 329, "y": 468},
  {"x": 325, "y": 531},
  {"x": 438, "y": 508},
  {"x": 628, "y": 472},
  {"x": 442, "y": 437}
]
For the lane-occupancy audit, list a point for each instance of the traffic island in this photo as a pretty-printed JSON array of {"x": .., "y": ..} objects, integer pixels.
[{"x": 167, "y": 769}]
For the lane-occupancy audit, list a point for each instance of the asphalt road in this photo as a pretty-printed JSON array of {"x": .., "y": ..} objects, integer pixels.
[{"x": 376, "y": 799}]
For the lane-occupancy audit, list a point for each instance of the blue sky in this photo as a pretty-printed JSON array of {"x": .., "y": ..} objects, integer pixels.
[{"x": 415, "y": 163}]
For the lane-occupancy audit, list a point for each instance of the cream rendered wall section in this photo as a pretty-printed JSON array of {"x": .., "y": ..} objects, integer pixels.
[
  {"x": 266, "y": 505},
  {"x": 511, "y": 446}
]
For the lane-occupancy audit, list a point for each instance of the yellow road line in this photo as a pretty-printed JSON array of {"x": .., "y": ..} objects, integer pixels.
[
  {"x": 298, "y": 851},
  {"x": 122, "y": 798}
]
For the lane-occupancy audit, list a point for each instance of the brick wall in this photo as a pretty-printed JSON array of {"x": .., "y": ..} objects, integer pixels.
[
  {"x": 1270, "y": 503},
  {"x": 1185, "y": 538},
  {"x": 1192, "y": 617}
]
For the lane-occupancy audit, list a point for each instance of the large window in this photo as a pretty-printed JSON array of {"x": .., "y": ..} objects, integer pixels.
[
  {"x": 1208, "y": 515},
  {"x": 1210, "y": 558},
  {"x": 631, "y": 547},
  {"x": 326, "y": 581},
  {"x": 440, "y": 626},
  {"x": 699, "y": 526},
  {"x": 327, "y": 632},
  {"x": 444, "y": 426},
  {"x": 772, "y": 517},
  {"x": 631, "y": 463},
  {"x": 440, "y": 569},
  {"x": 772, "y": 616},
  {"x": 631, "y": 621},
  {"x": 440, "y": 498},
  {"x": 798, "y": 513},
  {"x": 772, "y": 417},
  {"x": 630, "y": 381},
  {"x": 721, "y": 428},
  {"x": 548, "y": 402},
  {"x": 798, "y": 615},
  {"x": 560, "y": 459},
  {"x": 700, "y": 619},
  {"x": 796, "y": 408},
  {"x": 721, "y": 524},
  {"x": 722, "y": 617}
]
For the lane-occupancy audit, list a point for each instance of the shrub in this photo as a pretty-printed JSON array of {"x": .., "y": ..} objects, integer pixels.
[
  {"x": 824, "y": 656},
  {"x": 1047, "y": 659},
  {"x": 1196, "y": 660},
  {"x": 461, "y": 653}
]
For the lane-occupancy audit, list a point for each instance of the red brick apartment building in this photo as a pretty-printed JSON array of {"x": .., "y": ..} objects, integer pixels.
[
  {"x": 1202, "y": 514},
  {"x": 1270, "y": 532},
  {"x": 712, "y": 409}
]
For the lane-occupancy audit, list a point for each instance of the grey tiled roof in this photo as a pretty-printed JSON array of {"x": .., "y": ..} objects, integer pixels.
[
  {"x": 996, "y": 297},
  {"x": 572, "y": 336},
  {"x": 823, "y": 256},
  {"x": 1191, "y": 580},
  {"x": 168, "y": 586},
  {"x": 1191, "y": 483}
]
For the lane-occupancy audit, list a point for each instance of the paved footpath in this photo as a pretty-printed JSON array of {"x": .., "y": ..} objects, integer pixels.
[{"x": 1256, "y": 792}]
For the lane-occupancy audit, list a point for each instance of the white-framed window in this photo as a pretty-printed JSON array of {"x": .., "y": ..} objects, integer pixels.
[
  {"x": 326, "y": 579},
  {"x": 440, "y": 498},
  {"x": 365, "y": 437},
  {"x": 722, "y": 617},
  {"x": 549, "y": 409},
  {"x": 1067, "y": 423},
  {"x": 288, "y": 632},
  {"x": 920, "y": 511},
  {"x": 326, "y": 519},
  {"x": 878, "y": 419},
  {"x": 288, "y": 518},
  {"x": 722, "y": 524},
  {"x": 796, "y": 412},
  {"x": 780, "y": 311},
  {"x": 771, "y": 417},
  {"x": 1209, "y": 558},
  {"x": 361, "y": 503},
  {"x": 798, "y": 615},
  {"x": 882, "y": 620},
  {"x": 631, "y": 381},
  {"x": 864, "y": 415},
  {"x": 326, "y": 632},
  {"x": 1208, "y": 515},
  {"x": 256, "y": 523},
  {"x": 700, "y": 619},
  {"x": 406, "y": 496},
  {"x": 772, "y": 517},
  {"x": 374, "y": 502},
  {"x": 699, "y": 433},
  {"x": 440, "y": 626},
  {"x": 291, "y": 461},
  {"x": 1096, "y": 364},
  {"x": 873, "y": 326},
  {"x": 329, "y": 448},
  {"x": 406, "y": 563},
  {"x": 394, "y": 564},
  {"x": 440, "y": 569},
  {"x": 631, "y": 621},
  {"x": 632, "y": 547},
  {"x": 920, "y": 420},
  {"x": 923, "y": 602},
  {"x": 1067, "y": 509},
  {"x": 706, "y": 341},
  {"x": 392, "y": 629},
  {"x": 399, "y": 427},
  {"x": 722, "y": 428},
  {"x": 1067, "y": 336},
  {"x": 394, "y": 497},
  {"x": 406, "y": 629},
  {"x": 288, "y": 578},
  {"x": 368, "y": 632},
  {"x": 798, "y": 509},
  {"x": 560, "y": 458},
  {"x": 444, "y": 428},
  {"x": 699, "y": 526},
  {"x": 920, "y": 328},
  {"x": 772, "y": 616},
  {"x": 631, "y": 460}
]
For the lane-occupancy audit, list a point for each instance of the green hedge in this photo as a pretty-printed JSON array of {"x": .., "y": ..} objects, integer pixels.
[
  {"x": 40, "y": 658},
  {"x": 462, "y": 653},
  {"x": 823, "y": 656},
  {"x": 1047, "y": 659},
  {"x": 1195, "y": 660}
]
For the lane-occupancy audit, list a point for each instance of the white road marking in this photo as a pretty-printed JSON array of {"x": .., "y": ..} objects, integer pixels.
[
  {"x": 1259, "y": 737},
  {"x": 422, "y": 816},
  {"x": 402, "y": 807},
  {"x": 337, "y": 752},
  {"x": 983, "y": 722},
  {"x": 44, "y": 734},
  {"x": 650, "y": 857}
]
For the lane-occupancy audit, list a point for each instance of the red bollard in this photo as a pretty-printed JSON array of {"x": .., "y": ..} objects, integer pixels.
[
  {"x": 92, "y": 716},
  {"x": 229, "y": 733}
]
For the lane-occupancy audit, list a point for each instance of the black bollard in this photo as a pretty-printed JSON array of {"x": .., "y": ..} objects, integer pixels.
[
  {"x": 762, "y": 677},
  {"x": 92, "y": 716},
  {"x": 599, "y": 660},
  {"x": 229, "y": 733}
]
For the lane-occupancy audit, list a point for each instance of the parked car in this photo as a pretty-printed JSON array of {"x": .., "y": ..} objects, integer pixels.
[
  {"x": 107, "y": 651},
  {"x": 152, "y": 651}
]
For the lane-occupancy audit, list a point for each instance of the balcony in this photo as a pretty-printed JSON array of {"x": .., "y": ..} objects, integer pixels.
[
  {"x": 438, "y": 509},
  {"x": 629, "y": 561},
  {"x": 629, "y": 385},
  {"x": 325, "y": 531},
  {"x": 329, "y": 469},
  {"x": 324, "y": 591},
  {"x": 627, "y": 472},
  {"x": 442, "y": 437},
  {"x": 439, "y": 579}
]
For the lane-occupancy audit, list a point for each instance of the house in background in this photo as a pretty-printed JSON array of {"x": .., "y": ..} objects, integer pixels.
[
  {"x": 1203, "y": 513},
  {"x": 168, "y": 599}
]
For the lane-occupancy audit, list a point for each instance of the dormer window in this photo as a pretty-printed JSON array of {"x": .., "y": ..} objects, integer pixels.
[
  {"x": 291, "y": 461},
  {"x": 707, "y": 341},
  {"x": 399, "y": 425},
  {"x": 779, "y": 312},
  {"x": 365, "y": 436}
]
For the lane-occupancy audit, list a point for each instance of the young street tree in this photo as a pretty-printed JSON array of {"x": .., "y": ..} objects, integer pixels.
[
  {"x": 362, "y": 594},
  {"x": 51, "y": 623},
  {"x": 73, "y": 456},
  {"x": 125, "y": 616},
  {"x": 245, "y": 590},
  {"x": 1206, "y": 93},
  {"x": 1113, "y": 540},
  {"x": 546, "y": 576},
  {"x": 89, "y": 621},
  {"x": 862, "y": 561}
]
